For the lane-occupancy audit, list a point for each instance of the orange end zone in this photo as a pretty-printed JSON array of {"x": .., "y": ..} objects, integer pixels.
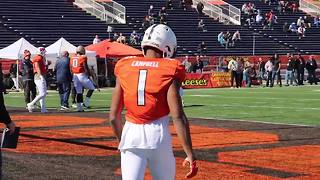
[
  {"x": 50, "y": 121},
  {"x": 303, "y": 159},
  {"x": 204, "y": 137},
  {"x": 60, "y": 141}
]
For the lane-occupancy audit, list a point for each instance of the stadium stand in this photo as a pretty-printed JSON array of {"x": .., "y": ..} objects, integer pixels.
[
  {"x": 307, "y": 45},
  {"x": 43, "y": 22},
  {"x": 6, "y": 37},
  {"x": 185, "y": 23}
]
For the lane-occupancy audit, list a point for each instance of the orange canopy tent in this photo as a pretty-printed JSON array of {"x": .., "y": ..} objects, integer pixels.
[{"x": 113, "y": 49}]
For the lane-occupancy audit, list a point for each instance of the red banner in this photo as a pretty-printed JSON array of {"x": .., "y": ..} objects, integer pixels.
[{"x": 212, "y": 80}]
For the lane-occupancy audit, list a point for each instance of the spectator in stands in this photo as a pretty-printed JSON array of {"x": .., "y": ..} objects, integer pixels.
[
  {"x": 259, "y": 18},
  {"x": 280, "y": 7},
  {"x": 261, "y": 70},
  {"x": 235, "y": 37},
  {"x": 294, "y": 6},
  {"x": 285, "y": 28},
  {"x": 64, "y": 78},
  {"x": 227, "y": 37},
  {"x": 14, "y": 75},
  {"x": 121, "y": 39},
  {"x": 221, "y": 39},
  {"x": 223, "y": 65},
  {"x": 233, "y": 66},
  {"x": 240, "y": 69},
  {"x": 163, "y": 20},
  {"x": 96, "y": 40},
  {"x": 146, "y": 23},
  {"x": 293, "y": 28},
  {"x": 311, "y": 67},
  {"x": 163, "y": 12},
  {"x": 247, "y": 70},
  {"x": 151, "y": 12},
  {"x": 201, "y": 26},
  {"x": 183, "y": 4},
  {"x": 301, "y": 64},
  {"x": 271, "y": 19},
  {"x": 187, "y": 64},
  {"x": 301, "y": 31},
  {"x": 290, "y": 69},
  {"x": 115, "y": 36},
  {"x": 29, "y": 86},
  {"x": 265, "y": 22},
  {"x": 269, "y": 66},
  {"x": 276, "y": 74},
  {"x": 202, "y": 48},
  {"x": 316, "y": 21},
  {"x": 307, "y": 21},
  {"x": 169, "y": 4},
  {"x": 134, "y": 38},
  {"x": 198, "y": 66},
  {"x": 200, "y": 7},
  {"x": 300, "y": 21}
]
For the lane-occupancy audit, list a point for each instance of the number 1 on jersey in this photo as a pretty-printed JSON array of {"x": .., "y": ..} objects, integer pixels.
[
  {"x": 141, "y": 87},
  {"x": 75, "y": 62}
]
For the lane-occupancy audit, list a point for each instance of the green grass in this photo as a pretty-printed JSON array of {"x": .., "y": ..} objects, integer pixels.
[{"x": 288, "y": 105}]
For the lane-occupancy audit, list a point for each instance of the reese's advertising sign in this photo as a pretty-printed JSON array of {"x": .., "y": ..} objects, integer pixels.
[
  {"x": 212, "y": 80},
  {"x": 194, "y": 80}
]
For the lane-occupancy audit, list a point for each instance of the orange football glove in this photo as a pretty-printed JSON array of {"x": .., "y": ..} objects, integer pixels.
[{"x": 193, "y": 168}]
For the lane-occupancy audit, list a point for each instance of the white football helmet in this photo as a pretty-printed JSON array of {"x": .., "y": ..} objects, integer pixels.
[
  {"x": 161, "y": 37},
  {"x": 81, "y": 50},
  {"x": 41, "y": 50}
]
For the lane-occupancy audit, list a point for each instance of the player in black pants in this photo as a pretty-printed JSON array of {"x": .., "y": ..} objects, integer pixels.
[{"x": 4, "y": 116}]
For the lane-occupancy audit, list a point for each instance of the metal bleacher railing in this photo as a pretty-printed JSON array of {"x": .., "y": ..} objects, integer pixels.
[
  {"x": 221, "y": 10},
  {"x": 111, "y": 12},
  {"x": 310, "y": 8}
]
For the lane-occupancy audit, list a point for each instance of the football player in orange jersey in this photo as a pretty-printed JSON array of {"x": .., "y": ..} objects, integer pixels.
[
  {"x": 81, "y": 73},
  {"x": 148, "y": 87},
  {"x": 40, "y": 70}
]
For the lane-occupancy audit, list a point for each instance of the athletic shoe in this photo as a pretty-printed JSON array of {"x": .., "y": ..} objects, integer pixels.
[
  {"x": 44, "y": 111},
  {"x": 29, "y": 107},
  {"x": 74, "y": 105},
  {"x": 84, "y": 105},
  {"x": 64, "y": 108}
]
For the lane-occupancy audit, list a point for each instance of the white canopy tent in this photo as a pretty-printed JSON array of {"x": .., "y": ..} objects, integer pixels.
[
  {"x": 54, "y": 51},
  {"x": 15, "y": 50}
]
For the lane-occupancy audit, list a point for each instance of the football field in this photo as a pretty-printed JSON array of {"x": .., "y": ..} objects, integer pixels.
[{"x": 256, "y": 133}]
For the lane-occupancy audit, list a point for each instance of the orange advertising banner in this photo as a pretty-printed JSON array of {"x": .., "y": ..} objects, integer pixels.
[
  {"x": 195, "y": 80},
  {"x": 220, "y": 79},
  {"x": 212, "y": 80}
]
